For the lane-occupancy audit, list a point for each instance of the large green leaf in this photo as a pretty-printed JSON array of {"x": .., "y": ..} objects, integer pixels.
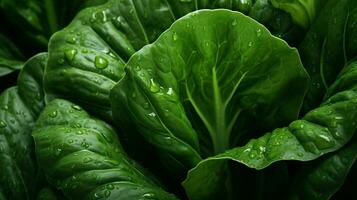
[
  {"x": 19, "y": 107},
  {"x": 82, "y": 157},
  {"x": 328, "y": 46},
  {"x": 320, "y": 179},
  {"x": 196, "y": 91},
  {"x": 87, "y": 58},
  {"x": 322, "y": 130}
]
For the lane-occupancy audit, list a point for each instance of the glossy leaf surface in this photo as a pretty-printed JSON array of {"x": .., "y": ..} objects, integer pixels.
[{"x": 82, "y": 157}]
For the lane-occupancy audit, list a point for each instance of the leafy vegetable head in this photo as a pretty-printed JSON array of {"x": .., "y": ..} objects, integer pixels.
[{"x": 206, "y": 82}]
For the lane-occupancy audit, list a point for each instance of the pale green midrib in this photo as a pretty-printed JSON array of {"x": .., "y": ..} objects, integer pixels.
[
  {"x": 220, "y": 134},
  {"x": 344, "y": 37},
  {"x": 322, "y": 59},
  {"x": 171, "y": 134}
]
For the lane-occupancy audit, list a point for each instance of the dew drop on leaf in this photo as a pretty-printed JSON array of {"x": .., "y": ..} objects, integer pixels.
[
  {"x": 154, "y": 87},
  {"x": 76, "y": 107},
  {"x": 259, "y": 32},
  {"x": 100, "y": 62},
  {"x": 2, "y": 124},
  {"x": 71, "y": 40},
  {"x": 87, "y": 159},
  {"x": 53, "y": 114},
  {"x": 70, "y": 54},
  {"x": 174, "y": 36}
]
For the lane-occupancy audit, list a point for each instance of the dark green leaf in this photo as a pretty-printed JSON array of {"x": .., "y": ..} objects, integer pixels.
[
  {"x": 82, "y": 157},
  {"x": 10, "y": 57},
  {"x": 321, "y": 178},
  {"x": 208, "y": 85},
  {"x": 87, "y": 58},
  {"x": 322, "y": 130},
  {"x": 18, "y": 112},
  {"x": 328, "y": 46}
]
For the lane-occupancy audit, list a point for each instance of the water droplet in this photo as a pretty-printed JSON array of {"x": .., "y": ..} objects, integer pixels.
[
  {"x": 234, "y": 22},
  {"x": 118, "y": 19},
  {"x": 137, "y": 68},
  {"x": 110, "y": 187},
  {"x": 174, "y": 36},
  {"x": 259, "y": 32},
  {"x": 153, "y": 86},
  {"x": 53, "y": 114},
  {"x": 338, "y": 117},
  {"x": 152, "y": 114},
  {"x": 70, "y": 141},
  {"x": 76, "y": 107},
  {"x": 84, "y": 51},
  {"x": 5, "y": 107},
  {"x": 2, "y": 124},
  {"x": 250, "y": 44},
  {"x": 79, "y": 133},
  {"x": 100, "y": 62},
  {"x": 131, "y": 11},
  {"x": 149, "y": 195},
  {"x": 186, "y": 1},
  {"x": 262, "y": 149},
  {"x": 302, "y": 126},
  {"x": 70, "y": 54},
  {"x": 58, "y": 152},
  {"x": 87, "y": 159},
  {"x": 300, "y": 154},
  {"x": 170, "y": 91},
  {"x": 71, "y": 40},
  {"x": 84, "y": 144},
  {"x": 252, "y": 154}
]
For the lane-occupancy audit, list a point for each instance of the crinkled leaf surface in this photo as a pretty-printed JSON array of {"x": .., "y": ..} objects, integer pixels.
[
  {"x": 82, "y": 157},
  {"x": 320, "y": 179},
  {"x": 19, "y": 107},
  {"x": 322, "y": 130},
  {"x": 193, "y": 91},
  {"x": 87, "y": 58}
]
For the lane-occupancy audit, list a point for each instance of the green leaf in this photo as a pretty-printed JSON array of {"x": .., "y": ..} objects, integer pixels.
[
  {"x": 321, "y": 178},
  {"x": 39, "y": 19},
  {"x": 322, "y": 130},
  {"x": 18, "y": 112},
  {"x": 82, "y": 157},
  {"x": 10, "y": 57},
  {"x": 328, "y": 46},
  {"x": 303, "y": 12},
  {"x": 200, "y": 95},
  {"x": 87, "y": 58}
]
